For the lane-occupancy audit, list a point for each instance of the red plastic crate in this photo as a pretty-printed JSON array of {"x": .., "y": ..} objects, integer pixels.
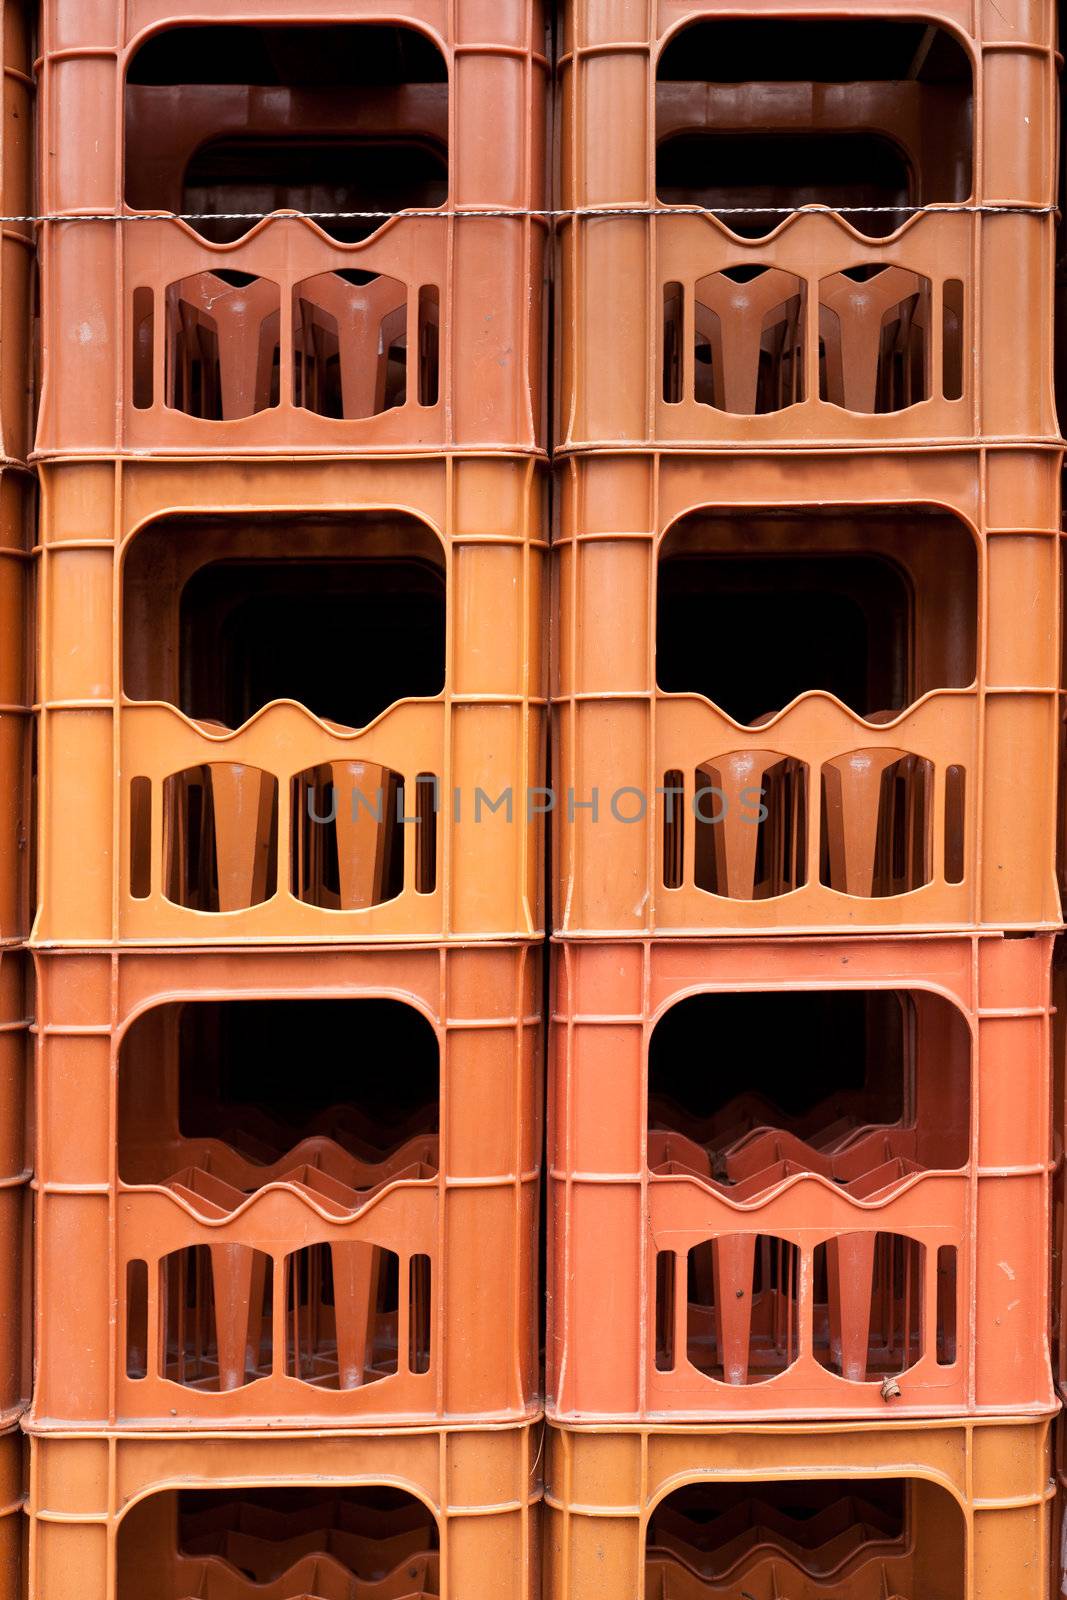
[
  {"x": 811, "y": 329},
  {"x": 447, "y": 1513},
  {"x": 325, "y": 1215},
  {"x": 424, "y": 332},
  {"x": 821, "y": 1189},
  {"x": 906, "y": 777},
  {"x": 170, "y": 839}
]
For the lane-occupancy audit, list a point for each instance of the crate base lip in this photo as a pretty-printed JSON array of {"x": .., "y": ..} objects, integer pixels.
[
  {"x": 262, "y": 1433},
  {"x": 294, "y": 452},
  {"x": 821, "y": 1419},
  {"x": 870, "y": 933},
  {"x": 304, "y": 945},
  {"x": 255, "y": 1427},
  {"x": 968, "y": 444},
  {"x": 300, "y": 946},
  {"x": 743, "y": 1424},
  {"x": 303, "y": 453},
  {"x": 806, "y": 931},
  {"x": 785, "y": 447}
]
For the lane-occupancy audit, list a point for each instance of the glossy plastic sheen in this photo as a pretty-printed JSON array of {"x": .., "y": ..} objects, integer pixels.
[
  {"x": 612, "y": 1217},
  {"x": 984, "y": 748},
  {"x": 480, "y": 523},
  {"x": 480, "y": 1487},
  {"x": 620, "y": 275},
  {"x": 102, "y": 281},
  {"x": 470, "y": 1208},
  {"x": 978, "y": 1504}
]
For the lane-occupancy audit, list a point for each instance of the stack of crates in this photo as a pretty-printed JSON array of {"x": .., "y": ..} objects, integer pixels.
[
  {"x": 16, "y": 696},
  {"x": 292, "y": 530},
  {"x": 805, "y": 685}
]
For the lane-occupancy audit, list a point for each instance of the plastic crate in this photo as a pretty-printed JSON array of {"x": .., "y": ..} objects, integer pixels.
[
  {"x": 805, "y": 1178},
  {"x": 15, "y": 1217},
  {"x": 17, "y": 242},
  {"x": 186, "y": 793},
  {"x": 260, "y": 1241},
  {"x": 421, "y": 332},
  {"x": 17, "y": 537},
  {"x": 806, "y": 695},
  {"x": 1058, "y": 1542},
  {"x": 817, "y": 328},
  {"x": 898, "y": 1512},
  {"x": 447, "y": 1513},
  {"x": 1059, "y": 1180},
  {"x": 12, "y": 1521}
]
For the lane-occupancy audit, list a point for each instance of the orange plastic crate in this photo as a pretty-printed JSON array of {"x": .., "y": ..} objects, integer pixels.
[
  {"x": 805, "y": 330},
  {"x": 15, "y": 1211},
  {"x": 16, "y": 694},
  {"x": 861, "y": 647},
  {"x": 448, "y": 1513},
  {"x": 1059, "y": 1129},
  {"x": 320, "y": 1215},
  {"x": 1058, "y": 1542},
  {"x": 399, "y": 601},
  {"x": 17, "y": 244},
  {"x": 969, "y": 1518},
  {"x": 423, "y": 332},
  {"x": 16, "y": 807},
  {"x": 12, "y": 1529},
  {"x": 800, "y": 1178}
]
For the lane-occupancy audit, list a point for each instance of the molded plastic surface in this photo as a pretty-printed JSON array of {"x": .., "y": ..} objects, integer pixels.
[
  {"x": 16, "y": 489},
  {"x": 142, "y": 856},
  {"x": 102, "y": 1511},
  {"x": 1059, "y": 1181},
  {"x": 17, "y": 536},
  {"x": 15, "y": 1210},
  {"x": 17, "y": 243},
  {"x": 126, "y": 307},
  {"x": 923, "y": 801},
  {"x": 865, "y": 1257},
  {"x": 661, "y": 311},
  {"x": 247, "y": 1191},
  {"x": 13, "y": 1449},
  {"x": 1058, "y": 1547},
  {"x": 976, "y": 1510}
]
